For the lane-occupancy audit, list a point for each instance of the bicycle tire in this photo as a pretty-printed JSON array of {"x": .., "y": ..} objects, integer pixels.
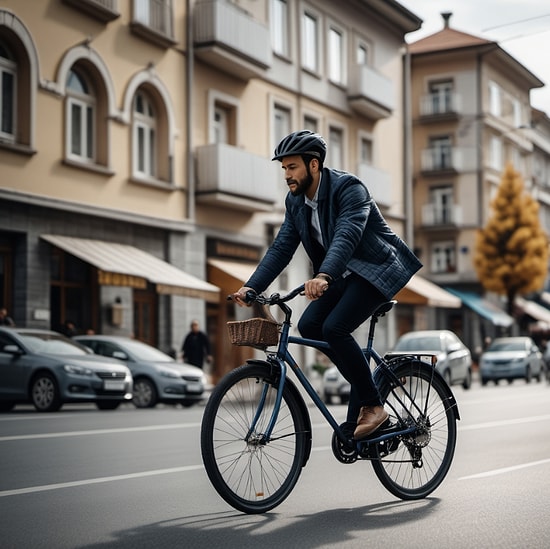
[
  {"x": 253, "y": 477},
  {"x": 420, "y": 462}
]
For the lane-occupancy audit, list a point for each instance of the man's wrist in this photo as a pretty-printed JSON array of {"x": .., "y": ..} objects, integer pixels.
[{"x": 323, "y": 276}]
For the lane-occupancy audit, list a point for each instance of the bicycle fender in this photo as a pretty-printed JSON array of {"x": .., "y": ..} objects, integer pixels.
[
  {"x": 299, "y": 399},
  {"x": 378, "y": 376}
]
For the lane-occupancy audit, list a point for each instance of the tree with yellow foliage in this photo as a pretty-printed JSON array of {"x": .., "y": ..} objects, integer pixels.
[{"x": 511, "y": 255}]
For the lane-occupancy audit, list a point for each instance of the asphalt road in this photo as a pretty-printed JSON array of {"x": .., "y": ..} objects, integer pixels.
[{"x": 84, "y": 478}]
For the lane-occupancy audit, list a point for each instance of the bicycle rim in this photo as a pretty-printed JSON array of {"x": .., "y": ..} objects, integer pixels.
[
  {"x": 250, "y": 475},
  {"x": 418, "y": 464}
]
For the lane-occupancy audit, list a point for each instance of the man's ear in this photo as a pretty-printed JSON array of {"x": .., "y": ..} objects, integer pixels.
[{"x": 314, "y": 165}]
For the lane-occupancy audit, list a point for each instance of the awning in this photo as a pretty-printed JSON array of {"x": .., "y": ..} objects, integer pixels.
[
  {"x": 123, "y": 265},
  {"x": 484, "y": 308},
  {"x": 538, "y": 312},
  {"x": 230, "y": 273},
  {"x": 420, "y": 291}
]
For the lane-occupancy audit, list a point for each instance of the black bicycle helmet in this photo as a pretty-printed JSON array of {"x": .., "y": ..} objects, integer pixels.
[{"x": 302, "y": 142}]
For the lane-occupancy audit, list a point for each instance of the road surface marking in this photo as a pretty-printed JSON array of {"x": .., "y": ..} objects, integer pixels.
[{"x": 504, "y": 470}]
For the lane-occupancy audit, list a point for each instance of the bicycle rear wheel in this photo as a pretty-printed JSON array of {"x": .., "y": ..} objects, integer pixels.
[
  {"x": 417, "y": 463},
  {"x": 253, "y": 475}
]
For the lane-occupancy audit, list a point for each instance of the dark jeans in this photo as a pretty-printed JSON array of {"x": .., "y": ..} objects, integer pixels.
[{"x": 343, "y": 308}]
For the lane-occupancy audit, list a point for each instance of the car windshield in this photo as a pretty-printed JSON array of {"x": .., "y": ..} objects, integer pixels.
[
  {"x": 420, "y": 343},
  {"x": 145, "y": 352},
  {"x": 51, "y": 344},
  {"x": 507, "y": 346}
]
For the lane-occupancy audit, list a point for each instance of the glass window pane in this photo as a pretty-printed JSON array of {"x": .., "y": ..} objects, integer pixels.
[
  {"x": 76, "y": 129},
  {"x": 152, "y": 163},
  {"x": 309, "y": 56},
  {"x": 141, "y": 148},
  {"x": 7, "y": 102},
  {"x": 335, "y": 55},
  {"x": 90, "y": 132}
]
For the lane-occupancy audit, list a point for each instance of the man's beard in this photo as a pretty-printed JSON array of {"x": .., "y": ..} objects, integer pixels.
[{"x": 302, "y": 185}]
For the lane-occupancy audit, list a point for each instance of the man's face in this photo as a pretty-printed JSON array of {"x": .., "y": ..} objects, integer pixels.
[{"x": 296, "y": 175}]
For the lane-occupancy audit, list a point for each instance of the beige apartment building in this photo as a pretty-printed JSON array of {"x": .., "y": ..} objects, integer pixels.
[
  {"x": 471, "y": 114},
  {"x": 137, "y": 189}
]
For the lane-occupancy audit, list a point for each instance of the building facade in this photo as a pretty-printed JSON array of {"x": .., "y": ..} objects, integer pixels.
[
  {"x": 137, "y": 189},
  {"x": 471, "y": 114}
]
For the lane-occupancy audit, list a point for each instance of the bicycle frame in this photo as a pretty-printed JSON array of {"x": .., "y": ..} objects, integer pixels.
[{"x": 282, "y": 357}]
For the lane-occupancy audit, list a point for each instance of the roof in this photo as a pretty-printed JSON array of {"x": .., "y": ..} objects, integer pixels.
[{"x": 447, "y": 39}]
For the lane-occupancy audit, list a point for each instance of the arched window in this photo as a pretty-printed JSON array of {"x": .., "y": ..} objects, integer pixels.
[
  {"x": 8, "y": 93},
  {"x": 81, "y": 116},
  {"x": 144, "y": 136}
]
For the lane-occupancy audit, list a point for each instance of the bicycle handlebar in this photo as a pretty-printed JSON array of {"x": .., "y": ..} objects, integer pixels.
[{"x": 273, "y": 299}]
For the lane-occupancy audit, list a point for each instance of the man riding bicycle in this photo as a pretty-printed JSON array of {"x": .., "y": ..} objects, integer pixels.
[{"x": 358, "y": 264}]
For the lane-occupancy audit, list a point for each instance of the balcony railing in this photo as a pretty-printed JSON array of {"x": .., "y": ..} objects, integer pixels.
[
  {"x": 371, "y": 93},
  {"x": 439, "y": 105},
  {"x": 436, "y": 214},
  {"x": 153, "y": 20},
  {"x": 450, "y": 159},
  {"x": 377, "y": 182},
  {"x": 231, "y": 177},
  {"x": 229, "y": 38},
  {"x": 102, "y": 10}
]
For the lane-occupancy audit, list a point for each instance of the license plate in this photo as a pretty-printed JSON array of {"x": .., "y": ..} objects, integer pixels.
[
  {"x": 113, "y": 385},
  {"x": 194, "y": 388}
]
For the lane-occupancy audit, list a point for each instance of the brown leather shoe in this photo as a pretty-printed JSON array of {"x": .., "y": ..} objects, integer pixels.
[{"x": 370, "y": 418}]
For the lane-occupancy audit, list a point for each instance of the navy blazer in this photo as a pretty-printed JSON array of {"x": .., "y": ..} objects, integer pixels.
[{"x": 356, "y": 237}]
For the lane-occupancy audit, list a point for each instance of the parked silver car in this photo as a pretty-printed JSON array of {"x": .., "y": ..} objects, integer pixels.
[
  {"x": 334, "y": 384},
  {"x": 157, "y": 376},
  {"x": 454, "y": 360},
  {"x": 511, "y": 358},
  {"x": 48, "y": 369}
]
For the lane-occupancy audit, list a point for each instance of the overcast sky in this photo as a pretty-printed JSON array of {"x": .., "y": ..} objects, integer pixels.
[{"x": 521, "y": 27}]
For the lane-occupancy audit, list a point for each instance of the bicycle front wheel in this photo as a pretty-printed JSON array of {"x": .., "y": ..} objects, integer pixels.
[
  {"x": 414, "y": 465},
  {"x": 251, "y": 473}
]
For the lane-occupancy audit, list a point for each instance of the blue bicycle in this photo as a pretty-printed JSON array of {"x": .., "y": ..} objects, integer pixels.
[{"x": 256, "y": 431}]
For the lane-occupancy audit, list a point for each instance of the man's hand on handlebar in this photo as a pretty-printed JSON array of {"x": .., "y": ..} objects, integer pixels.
[
  {"x": 240, "y": 298},
  {"x": 315, "y": 288}
]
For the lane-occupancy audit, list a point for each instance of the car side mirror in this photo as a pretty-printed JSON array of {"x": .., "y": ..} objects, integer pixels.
[
  {"x": 12, "y": 349},
  {"x": 121, "y": 355},
  {"x": 453, "y": 347}
]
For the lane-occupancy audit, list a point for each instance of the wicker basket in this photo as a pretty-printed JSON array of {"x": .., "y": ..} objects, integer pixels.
[{"x": 255, "y": 332}]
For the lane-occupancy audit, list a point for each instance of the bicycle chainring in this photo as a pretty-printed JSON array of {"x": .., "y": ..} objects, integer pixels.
[{"x": 344, "y": 453}]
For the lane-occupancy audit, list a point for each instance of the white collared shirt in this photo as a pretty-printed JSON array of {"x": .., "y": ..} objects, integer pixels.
[{"x": 315, "y": 223}]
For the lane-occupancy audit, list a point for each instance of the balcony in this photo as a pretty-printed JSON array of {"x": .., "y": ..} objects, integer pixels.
[
  {"x": 370, "y": 93},
  {"x": 102, "y": 10},
  {"x": 377, "y": 182},
  {"x": 448, "y": 160},
  {"x": 230, "y": 177},
  {"x": 228, "y": 38},
  {"x": 153, "y": 21},
  {"x": 440, "y": 107},
  {"x": 437, "y": 215}
]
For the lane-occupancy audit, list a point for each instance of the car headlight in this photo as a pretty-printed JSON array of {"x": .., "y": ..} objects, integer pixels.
[
  {"x": 78, "y": 370},
  {"x": 169, "y": 373}
]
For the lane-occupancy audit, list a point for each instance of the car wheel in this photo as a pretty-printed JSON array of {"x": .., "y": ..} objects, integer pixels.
[
  {"x": 107, "y": 404},
  {"x": 344, "y": 399},
  {"x": 447, "y": 377},
  {"x": 45, "y": 393},
  {"x": 188, "y": 403},
  {"x": 528, "y": 375},
  {"x": 484, "y": 381},
  {"x": 467, "y": 383},
  {"x": 328, "y": 398},
  {"x": 145, "y": 393}
]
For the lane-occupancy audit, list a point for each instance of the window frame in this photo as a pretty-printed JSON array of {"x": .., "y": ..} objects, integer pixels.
[
  {"x": 337, "y": 75},
  {"x": 446, "y": 254},
  {"x": 307, "y": 46},
  {"x": 279, "y": 26},
  {"x": 87, "y": 104},
  {"x": 148, "y": 125},
  {"x": 8, "y": 66}
]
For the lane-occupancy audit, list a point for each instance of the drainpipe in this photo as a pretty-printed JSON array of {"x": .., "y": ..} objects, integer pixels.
[
  {"x": 190, "y": 168},
  {"x": 407, "y": 149}
]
